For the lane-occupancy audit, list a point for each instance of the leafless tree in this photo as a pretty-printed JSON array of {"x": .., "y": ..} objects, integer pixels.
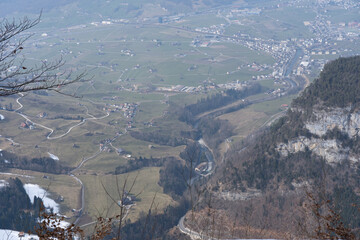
[
  {"x": 122, "y": 193},
  {"x": 323, "y": 221},
  {"x": 16, "y": 74},
  {"x": 105, "y": 226},
  {"x": 117, "y": 222}
]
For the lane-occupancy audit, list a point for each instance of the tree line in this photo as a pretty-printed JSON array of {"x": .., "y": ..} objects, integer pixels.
[
  {"x": 43, "y": 164},
  {"x": 141, "y": 162},
  {"x": 16, "y": 210},
  {"x": 218, "y": 100},
  {"x": 159, "y": 137},
  {"x": 337, "y": 86}
]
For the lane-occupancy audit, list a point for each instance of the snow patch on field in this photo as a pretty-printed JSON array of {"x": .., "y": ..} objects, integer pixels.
[
  {"x": 14, "y": 174},
  {"x": 14, "y": 235},
  {"x": 54, "y": 157},
  {"x": 61, "y": 224},
  {"x": 35, "y": 190},
  {"x": 3, "y": 184}
]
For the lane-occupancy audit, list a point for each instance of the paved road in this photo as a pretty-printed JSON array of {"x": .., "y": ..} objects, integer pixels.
[
  {"x": 80, "y": 211},
  {"x": 124, "y": 217},
  {"x": 84, "y": 160},
  {"x": 91, "y": 117},
  {"x": 71, "y": 173},
  {"x": 187, "y": 231},
  {"x": 209, "y": 156}
]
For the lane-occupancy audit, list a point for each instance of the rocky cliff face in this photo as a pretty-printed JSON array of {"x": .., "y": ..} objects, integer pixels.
[
  {"x": 331, "y": 150},
  {"x": 342, "y": 118},
  {"x": 321, "y": 122}
]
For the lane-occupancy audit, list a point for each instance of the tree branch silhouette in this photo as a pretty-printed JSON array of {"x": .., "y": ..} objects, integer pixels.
[{"x": 16, "y": 74}]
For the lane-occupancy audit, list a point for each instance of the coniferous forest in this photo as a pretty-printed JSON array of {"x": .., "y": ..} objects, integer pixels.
[{"x": 16, "y": 210}]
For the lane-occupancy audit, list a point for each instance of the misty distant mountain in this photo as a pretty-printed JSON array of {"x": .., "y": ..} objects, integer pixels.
[{"x": 10, "y": 7}]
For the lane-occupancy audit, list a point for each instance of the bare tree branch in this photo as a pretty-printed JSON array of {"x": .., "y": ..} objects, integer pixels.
[{"x": 16, "y": 75}]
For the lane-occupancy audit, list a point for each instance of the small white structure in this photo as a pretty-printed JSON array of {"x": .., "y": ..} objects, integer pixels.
[{"x": 54, "y": 157}]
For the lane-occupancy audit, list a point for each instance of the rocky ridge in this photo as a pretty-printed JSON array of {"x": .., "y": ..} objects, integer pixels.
[{"x": 322, "y": 121}]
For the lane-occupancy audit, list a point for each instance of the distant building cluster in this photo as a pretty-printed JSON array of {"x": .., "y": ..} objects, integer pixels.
[
  {"x": 236, "y": 85},
  {"x": 129, "y": 109},
  {"x": 27, "y": 124},
  {"x": 180, "y": 88}
]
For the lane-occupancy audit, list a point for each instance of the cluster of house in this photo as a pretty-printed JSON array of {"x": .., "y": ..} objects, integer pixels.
[
  {"x": 239, "y": 12},
  {"x": 280, "y": 82},
  {"x": 326, "y": 28},
  {"x": 180, "y": 88},
  {"x": 277, "y": 92},
  {"x": 129, "y": 124},
  {"x": 201, "y": 42},
  {"x": 104, "y": 144},
  {"x": 113, "y": 98},
  {"x": 282, "y": 51},
  {"x": 127, "y": 52},
  {"x": 236, "y": 85},
  {"x": 257, "y": 67},
  {"x": 214, "y": 29},
  {"x": 42, "y": 115},
  {"x": 285, "y": 50},
  {"x": 27, "y": 124},
  {"x": 109, "y": 22},
  {"x": 129, "y": 109},
  {"x": 103, "y": 147},
  {"x": 127, "y": 200}
]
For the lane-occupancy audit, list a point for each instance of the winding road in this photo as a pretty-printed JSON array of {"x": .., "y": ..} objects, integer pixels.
[
  {"x": 209, "y": 155},
  {"x": 48, "y": 137},
  {"x": 91, "y": 117},
  {"x": 71, "y": 173},
  {"x": 83, "y": 161},
  {"x": 210, "y": 158}
]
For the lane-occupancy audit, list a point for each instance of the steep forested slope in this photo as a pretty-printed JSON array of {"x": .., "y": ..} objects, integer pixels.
[
  {"x": 314, "y": 148},
  {"x": 337, "y": 86}
]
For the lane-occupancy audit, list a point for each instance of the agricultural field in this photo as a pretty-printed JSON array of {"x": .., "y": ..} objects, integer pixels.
[
  {"x": 141, "y": 63},
  {"x": 145, "y": 188}
]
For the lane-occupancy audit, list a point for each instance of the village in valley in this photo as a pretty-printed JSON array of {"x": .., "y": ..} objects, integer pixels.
[{"x": 146, "y": 69}]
